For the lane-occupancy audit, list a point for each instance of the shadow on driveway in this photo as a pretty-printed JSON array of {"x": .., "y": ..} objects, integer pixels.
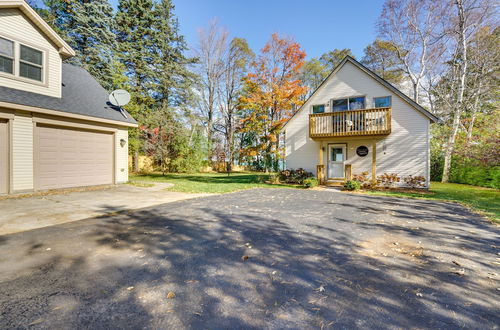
[{"x": 316, "y": 259}]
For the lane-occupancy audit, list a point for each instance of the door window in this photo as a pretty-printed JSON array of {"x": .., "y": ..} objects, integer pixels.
[{"x": 337, "y": 155}]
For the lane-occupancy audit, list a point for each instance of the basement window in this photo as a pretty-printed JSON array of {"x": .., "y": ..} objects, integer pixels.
[{"x": 6, "y": 56}]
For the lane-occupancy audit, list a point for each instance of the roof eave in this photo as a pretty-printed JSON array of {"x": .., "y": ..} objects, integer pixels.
[{"x": 64, "y": 49}]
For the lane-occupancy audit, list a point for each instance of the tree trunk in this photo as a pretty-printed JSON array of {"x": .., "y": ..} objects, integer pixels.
[
  {"x": 135, "y": 161},
  {"x": 462, "y": 61}
]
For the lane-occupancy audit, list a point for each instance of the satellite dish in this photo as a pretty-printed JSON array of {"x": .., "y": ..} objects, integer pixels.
[{"x": 119, "y": 98}]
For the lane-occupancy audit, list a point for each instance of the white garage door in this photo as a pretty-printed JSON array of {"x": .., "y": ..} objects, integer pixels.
[{"x": 67, "y": 157}]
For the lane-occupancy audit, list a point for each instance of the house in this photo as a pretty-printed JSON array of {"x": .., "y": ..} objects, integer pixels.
[
  {"x": 56, "y": 128},
  {"x": 356, "y": 122}
]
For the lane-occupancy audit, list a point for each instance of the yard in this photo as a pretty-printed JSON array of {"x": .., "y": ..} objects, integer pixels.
[{"x": 483, "y": 200}]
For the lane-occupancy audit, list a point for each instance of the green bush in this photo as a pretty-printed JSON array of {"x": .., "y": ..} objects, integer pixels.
[
  {"x": 310, "y": 182},
  {"x": 476, "y": 175},
  {"x": 352, "y": 185}
]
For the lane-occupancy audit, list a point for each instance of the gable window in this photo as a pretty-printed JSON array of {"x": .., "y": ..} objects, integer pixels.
[
  {"x": 351, "y": 103},
  {"x": 30, "y": 63},
  {"x": 318, "y": 108},
  {"x": 6, "y": 56},
  {"x": 382, "y": 102}
]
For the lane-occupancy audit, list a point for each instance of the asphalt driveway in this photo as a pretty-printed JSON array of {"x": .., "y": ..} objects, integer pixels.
[{"x": 267, "y": 258}]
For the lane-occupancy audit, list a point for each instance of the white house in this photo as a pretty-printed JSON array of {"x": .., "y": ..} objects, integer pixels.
[
  {"x": 357, "y": 122},
  {"x": 56, "y": 128}
]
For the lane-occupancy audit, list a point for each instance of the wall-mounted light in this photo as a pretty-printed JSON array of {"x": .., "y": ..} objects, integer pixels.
[{"x": 122, "y": 142}]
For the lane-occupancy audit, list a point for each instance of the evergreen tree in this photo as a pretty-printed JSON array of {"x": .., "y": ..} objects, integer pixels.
[{"x": 87, "y": 26}]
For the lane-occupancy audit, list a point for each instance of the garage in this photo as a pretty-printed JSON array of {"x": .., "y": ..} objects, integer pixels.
[
  {"x": 4, "y": 157},
  {"x": 68, "y": 157}
]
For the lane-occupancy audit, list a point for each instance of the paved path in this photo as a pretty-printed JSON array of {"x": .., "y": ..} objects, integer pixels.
[
  {"x": 316, "y": 259},
  {"x": 53, "y": 208}
]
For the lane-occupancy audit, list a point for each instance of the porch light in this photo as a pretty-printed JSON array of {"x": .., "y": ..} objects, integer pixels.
[{"x": 122, "y": 142}]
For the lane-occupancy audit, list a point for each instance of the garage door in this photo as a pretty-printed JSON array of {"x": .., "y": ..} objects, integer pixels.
[
  {"x": 4, "y": 158},
  {"x": 72, "y": 158}
]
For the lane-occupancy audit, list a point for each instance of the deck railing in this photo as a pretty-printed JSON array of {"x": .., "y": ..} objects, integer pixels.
[{"x": 350, "y": 123}]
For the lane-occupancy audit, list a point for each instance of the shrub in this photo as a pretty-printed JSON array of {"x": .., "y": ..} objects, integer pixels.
[
  {"x": 363, "y": 179},
  {"x": 310, "y": 182},
  {"x": 352, "y": 185},
  {"x": 388, "y": 180},
  {"x": 274, "y": 178},
  {"x": 294, "y": 176},
  {"x": 414, "y": 181}
]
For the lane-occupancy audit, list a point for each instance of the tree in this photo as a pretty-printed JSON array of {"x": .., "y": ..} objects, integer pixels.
[
  {"x": 88, "y": 28},
  {"x": 235, "y": 63},
  {"x": 414, "y": 29},
  {"x": 210, "y": 53},
  {"x": 332, "y": 58},
  {"x": 380, "y": 57},
  {"x": 271, "y": 93},
  {"x": 313, "y": 73},
  {"x": 469, "y": 16}
]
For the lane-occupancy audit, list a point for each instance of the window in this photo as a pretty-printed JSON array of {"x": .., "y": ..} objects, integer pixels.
[
  {"x": 352, "y": 103},
  {"x": 20, "y": 60},
  {"x": 318, "y": 108},
  {"x": 382, "y": 102},
  {"x": 30, "y": 64},
  {"x": 6, "y": 56}
]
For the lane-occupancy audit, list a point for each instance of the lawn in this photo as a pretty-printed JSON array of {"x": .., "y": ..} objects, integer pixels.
[
  {"x": 483, "y": 200},
  {"x": 210, "y": 182}
]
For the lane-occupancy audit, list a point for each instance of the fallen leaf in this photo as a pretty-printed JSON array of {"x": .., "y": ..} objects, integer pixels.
[
  {"x": 244, "y": 258},
  {"x": 130, "y": 288},
  {"x": 170, "y": 295}
]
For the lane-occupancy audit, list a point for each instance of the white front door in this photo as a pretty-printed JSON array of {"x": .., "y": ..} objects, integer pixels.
[{"x": 336, "y": 159}]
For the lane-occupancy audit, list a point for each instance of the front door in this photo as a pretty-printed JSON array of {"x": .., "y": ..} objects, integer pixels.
[{"x": 336, "y": 159}]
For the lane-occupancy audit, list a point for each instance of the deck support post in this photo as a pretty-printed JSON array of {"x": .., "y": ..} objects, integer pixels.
[
  {"x": 320, "y": 162},
  {"x": 374, "y": 164}
]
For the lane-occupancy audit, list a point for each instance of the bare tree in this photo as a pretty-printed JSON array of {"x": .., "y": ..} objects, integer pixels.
[
  {"x": 413, "y": 28},
  {"x": 470, "y": 16},
  {"x": 235, "y": 62},
  {"x": 210, "y": 52}
]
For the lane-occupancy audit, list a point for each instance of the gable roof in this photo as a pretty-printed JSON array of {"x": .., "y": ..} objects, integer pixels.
[
  {"x": 81, "y": 95},
  {"x": 372, "y": 74},
  {"x": 64, "y": 49}
]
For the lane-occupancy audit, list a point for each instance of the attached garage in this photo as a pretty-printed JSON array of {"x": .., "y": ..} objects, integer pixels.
[
  {"x": 66, "y": 157},
  {"x": 4, "y": 157}
]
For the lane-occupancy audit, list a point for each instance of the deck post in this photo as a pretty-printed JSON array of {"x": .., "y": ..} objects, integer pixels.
[
  {"x": 374, "y": 163},
  {"x": 320, "y": 168}
]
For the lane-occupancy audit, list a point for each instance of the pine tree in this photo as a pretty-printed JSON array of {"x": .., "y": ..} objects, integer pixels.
[{"x": 88, "y": 28}]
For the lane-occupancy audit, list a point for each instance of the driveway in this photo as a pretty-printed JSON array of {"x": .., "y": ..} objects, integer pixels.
[
  {"x": 53, "y": 208},
  {"x": 267, "y": 258}
]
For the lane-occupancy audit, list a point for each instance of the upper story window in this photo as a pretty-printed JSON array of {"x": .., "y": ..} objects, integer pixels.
[
  {"x": 382, "y": 102},
  {"x": 30, "y": 63},
  {"x": 21, "y": 61},
  {"x": 318, "y": 108},
  {"x": 351, "y": 103},
  {"x": 6, "y": 56}
]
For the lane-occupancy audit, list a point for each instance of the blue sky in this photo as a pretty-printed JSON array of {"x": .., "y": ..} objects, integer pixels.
[{"x": 318, "y": 25}]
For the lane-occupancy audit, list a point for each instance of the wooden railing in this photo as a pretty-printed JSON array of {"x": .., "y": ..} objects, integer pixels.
[{"x": 350, "y": 123}]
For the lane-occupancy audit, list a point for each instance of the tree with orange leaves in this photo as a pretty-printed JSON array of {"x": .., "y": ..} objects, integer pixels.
[{"x": 272, "y": 92}]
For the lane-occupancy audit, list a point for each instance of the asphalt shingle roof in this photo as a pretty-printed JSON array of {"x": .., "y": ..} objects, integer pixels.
[{"x": 81, "y": 94}]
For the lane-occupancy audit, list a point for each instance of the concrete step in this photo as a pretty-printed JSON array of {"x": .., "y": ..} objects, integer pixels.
[{"x": 334, "y": 183}]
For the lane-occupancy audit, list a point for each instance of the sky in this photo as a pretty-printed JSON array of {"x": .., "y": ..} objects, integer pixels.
[{"x": 318, "y": 25}]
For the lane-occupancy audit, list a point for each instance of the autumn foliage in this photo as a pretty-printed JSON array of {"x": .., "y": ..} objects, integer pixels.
[{"x": 272, "y": 92}]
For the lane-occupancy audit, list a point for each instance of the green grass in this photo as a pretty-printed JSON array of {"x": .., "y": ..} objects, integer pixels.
[
  {"x": 211, "y": 182},
  {"x": 485, "y": 201}
]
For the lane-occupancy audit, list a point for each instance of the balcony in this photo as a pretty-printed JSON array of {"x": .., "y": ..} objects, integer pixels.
[{"x": 363, "y": 122}]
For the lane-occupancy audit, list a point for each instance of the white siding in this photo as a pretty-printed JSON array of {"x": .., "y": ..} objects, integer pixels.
[
  {"x": 404, "y": 151},
  {"x": 14, "y": 25},
  {"x": 22, "y": 152},
  {"x": 121, "y": 156}
]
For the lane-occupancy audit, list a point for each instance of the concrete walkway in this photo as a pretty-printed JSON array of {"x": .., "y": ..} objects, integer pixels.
[{"x": 27, "y": 213}]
